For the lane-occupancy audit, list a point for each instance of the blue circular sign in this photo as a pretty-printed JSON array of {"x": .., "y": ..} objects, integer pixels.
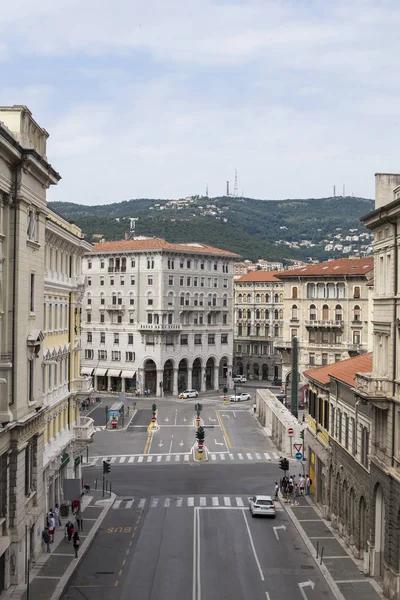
[{"x": 299, "y": 455}]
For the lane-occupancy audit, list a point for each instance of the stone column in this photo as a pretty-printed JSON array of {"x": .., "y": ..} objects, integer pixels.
[
  {"x": 216, "y": 377},
  {"x": 108, "y": 383},
  {"x": 203, "y": 379},
  {"x": 160, "y": 373},
  {"x": 123, "y": 381},
  {"x": 189, "y": 380},
  {"x": 140, "y": 380},
  {"x": 175, "y": 382}
]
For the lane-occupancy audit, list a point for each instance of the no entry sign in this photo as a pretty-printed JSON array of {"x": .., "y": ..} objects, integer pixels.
[{"x": 290, "y": 431}]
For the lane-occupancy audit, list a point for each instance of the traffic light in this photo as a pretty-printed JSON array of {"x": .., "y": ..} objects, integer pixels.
[
  {"x": 200, "y": 434},
  {"x": 154, "y": 408},
  {"x": 284, "y": 464},
  {"x": 106, "y": 467},
  {"x": 302, "y": 434}
]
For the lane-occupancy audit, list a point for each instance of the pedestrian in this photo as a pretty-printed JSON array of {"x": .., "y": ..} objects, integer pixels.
[
  {"x": 75, "y": 506},
  {"x": 295, "y": 494},
  {"x": 79, "y": 519},
  {"x": 46, "y": 538},
  {"x": 302, "y": 484},
  {"x": 276, "y": 490},
  {"x": 76, "y": 543},
  {"x": 308, "y": 484},
  {"x": 290, "y": 486},
  {"x": 52, "y": 526},
  {"x": 57, "y": 516},
  {"x": 127, "y": 411},
  {"x": 285, "y": 482},
  {"x": 148, "y": 392},
  {"x": 69, "y": 529}
]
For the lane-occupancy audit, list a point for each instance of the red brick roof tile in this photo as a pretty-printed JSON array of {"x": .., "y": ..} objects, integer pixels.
[
  {"x": 150, "y": 244},
  {"x": 260, "y": 276},
  {"x": 336, "y": 268},
  {"x": 344, "y": 370}
]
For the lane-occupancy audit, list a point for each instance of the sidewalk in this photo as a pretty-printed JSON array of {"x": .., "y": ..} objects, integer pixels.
[
  {"x": 343, "y": 572},
  {"x": 51, "y": 572}
]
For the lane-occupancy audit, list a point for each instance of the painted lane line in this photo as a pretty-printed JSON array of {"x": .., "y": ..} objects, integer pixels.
[
  {"x": 167, "y": 502},
  {"x": 168, "y": 458},
  {"x": 267, "y": 456},
  {"x": 129, "y": 504},
  {"x": 252, "y": 545},
  {"x": 113, "y": 459},
  {"x": 214, "y": 456},
  {"x": 159, "y": 458},
  {"x": 117, "y": 504},
  {"x": 142, "y": 503},
  {"x": 258, "y": 457},
  {"x": 170, "y": 446},
  {"x": 131, "y": 459},
  {"x": 149, "y": 459},
  {"x": 186, "y": 456},
  {"x": 190, "y": 501},
  {"x": 275, "y": 455},
  {"x": 179, "y": 502},
  {"x": 198, "y": 557},
  {"x": 239, "y": 502},
  {"x": 154, "y": 503},
  {"x": 140, "y": 459},
  {"x": 231, "y": 456},
  {"x": 249, "y": 456},
  {"x": 222, "y": 456},
  {"x": 240, "y": 456},
  {"x": 227, "y": 501},
  {"x": 215, "y": 501},
  {"x": 203, "y": 501},
  {"x": 177, "y": 458},
  {"x": 122, "y": 459}
]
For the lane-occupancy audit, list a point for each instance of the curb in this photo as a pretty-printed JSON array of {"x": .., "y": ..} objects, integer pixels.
[
  {"x": 328, "y": 577},
  {"x": 75, "y": 562}
]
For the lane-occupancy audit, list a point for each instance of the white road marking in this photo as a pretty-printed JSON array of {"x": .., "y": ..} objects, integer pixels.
[
  {"x": 227, "y": 501},
  {"x": 240, "y": 456},
  {"x": 190, "y": 501},
  {"x": 239, "y": 502},
  {"x": 177, "y": 458},
  {"x": 154, "y": 503},
  {"x": 168, "y": 458},
  {"x": 267, "y": 456},
  {"x": 252, "y": 545},
  {"x": 203, "y": 501},
  {"x": 231, "y": 456},
  {"x": 275, "y": 455},
  {"x": 167, "y": 502},
  {"x": 215, "y": 501},
  {"x": 140, "y": 459},
  {"x": 179, "y": 502},
  {"x": 176, "y": 415},
  {"x": 122, "y": 459},
  {"x": 258, "y": 456},
  {"x": 142, "y": 503},
  {"x": 131, "y": 459},
  {"x": 149, "y": 459},
  {"x": 186, "y": 456},
  {"x": 159, "y": 458},
  {"x": 214, "y": 456},
  {"x": 249, "y": 456},
  {"x": 129, "y": 504},
  {"x": 113, "y": 459},
  {"x": 170, "y": 446},
  {"x": 222, "y": 456},
  {"x": 117, "y": 504}
]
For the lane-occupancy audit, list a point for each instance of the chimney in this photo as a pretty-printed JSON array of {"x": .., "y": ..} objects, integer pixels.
[{"x": 126, "y": 235}]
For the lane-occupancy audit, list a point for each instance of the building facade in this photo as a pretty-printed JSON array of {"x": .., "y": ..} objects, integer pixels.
[
  {"x": 327, "y": 306},
  {"x": 158, "y": 316},
  {"x": 258, "y": 315},
  {"x": 66, "y": 433}
]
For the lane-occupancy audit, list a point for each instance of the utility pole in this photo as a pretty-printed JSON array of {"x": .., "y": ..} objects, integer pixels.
[{"x": 295, "y": 378}]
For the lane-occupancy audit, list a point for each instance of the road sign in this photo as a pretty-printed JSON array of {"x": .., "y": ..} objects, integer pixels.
[
  {"x": 290, "y": 431},
  {"x": 298, "y": 447},
  {"x": 299, "y": 455}
]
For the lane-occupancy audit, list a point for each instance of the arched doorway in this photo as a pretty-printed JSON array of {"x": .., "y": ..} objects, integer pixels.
[
  {"x": 210, "y": 374},
  {"x": 239, "y": 368},
  {"x": 352, "y": 501},
  {"x": 256, "y": 371},
  {"x": 276, "y": 372},
  {"x": 223, "y": 372},
  {"x": 196, "y": 374},
  {"x": 338, "y": 498},
  {"x": 363, "y": 527},
  {"x": 182, "y": 375},
  {"x": 150, "y": 376},
  {"x": 379, "y": 531},
  {"x": 397, "y": 542},
  {"x": 344, "y": 510},
  {"x": 168, "y": 377},
  {"x": 264, "y": 370}
]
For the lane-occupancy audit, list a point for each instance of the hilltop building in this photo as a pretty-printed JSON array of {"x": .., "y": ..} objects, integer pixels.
[
  {"x": 158, "y": 316},
  {"x": 258, "y": 311}
]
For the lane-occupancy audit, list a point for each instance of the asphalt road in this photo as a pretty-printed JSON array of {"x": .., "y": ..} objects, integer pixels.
[{"x": 183, "y": 531}]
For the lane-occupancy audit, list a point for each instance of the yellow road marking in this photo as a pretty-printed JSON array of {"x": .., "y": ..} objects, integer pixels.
[
  {"x": 90, "y": 586},
  {"x": 116, "y": 583},
  {"x": 127, "y": 552},
  {"x": 120, "y": 573},
  {"x": 228, "y": 441},
  {"x": 147, "y": 444},
  {"x": 130, "y": 543},
  {"x": 124, "y": 562}
]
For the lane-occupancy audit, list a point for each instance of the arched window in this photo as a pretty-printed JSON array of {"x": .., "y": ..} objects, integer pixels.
[
  {"x": 102, "y": 299},
  {"x": 276, "y": 331},
  {"x": 258, "y": 298},
  {"x": 276, "y": 314},
  {"x": 276, "y": 298},
  {"x": 209, "y": 300},
  {"x": 258, "y": 313},
  {"x": 262, "y": 298},
  {"x": 239, "y": 313},
  {"x": 187, "y": 299},
  {"x": 325, "y": 312},
  {"x": 214, "y": 300},
  {"x": 267, "y": 315},
  {"x": 201, "y": 300},
  {"x": 114, "y": 299},
  {"x": 281, "y": 314},
  {"x": 281, "y": 298},
  {"x": 262, "y": 313},
  {"x": 294, "y": 312},
  {"x": 267, "y": 298},
  {"x": 356, "y": 313},
  {"x": 258, "y": 329},
  {"x": 313, "y": 312},
  {"x": 240, "y": 299},
  {"x": 310, "y": 290},
  {"x": 196, "y": 300},
  {"x": 171, "y": 299},
  {"x": 249, "y": 314},
  {"x": 294, "y": 292},
  {"x": 89, "y": 298},
  {"x": 356, "y": 292},
  {"x": 224, "y": 300},
  {"x": 119, "y": 298},
  {"x": 182, "y": 299},
  {"x": 149, "y": 299},
  {"x": 244, "y": 298},
  {"x": 248, "y": 298},
  {"x": 338, "y": 313},
  {"x": 131, "y": 298}
]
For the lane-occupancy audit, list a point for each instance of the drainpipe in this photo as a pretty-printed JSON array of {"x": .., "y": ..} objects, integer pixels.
[
  {"x": 396, "y": 279},
  {"x": 17, "y": 171}
]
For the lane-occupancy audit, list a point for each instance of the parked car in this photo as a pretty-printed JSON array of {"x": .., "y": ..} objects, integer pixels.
[
  {"x": 239, "y": 379},
  {"x": 189, "y": 394},
  {"x": 262, "y": 505},
  {"x": 240, "y": 397}
]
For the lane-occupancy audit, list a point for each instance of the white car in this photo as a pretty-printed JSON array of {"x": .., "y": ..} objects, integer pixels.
[
  {"x": 189, "y": 394},
  {"x": 239, "y": 379},
  {"x": 240, "y": 397},
  {"x": 262, "y": 505}
]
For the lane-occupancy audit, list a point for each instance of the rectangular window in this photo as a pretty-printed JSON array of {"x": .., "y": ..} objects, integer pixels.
[
  {"x": 211, "y": 339},
  {"x": 133, "y": 263},
  {"x": 102, "y": 318},
  {"x": 112, "y": 280},
  {"x": 215, "y": 266},
  {"x": 224, "y": 338},
  {"x": 102, "y": 337},
  {"x": 184, "y": 339},
  {"x": 89, "y": 264},
  {"x": 88, "y": 317},
  {"x": 202, "y": 266},
  {"x": 356, "y": 337},
  {"x": 102, "y": 264},
  {"x": 131, "y": 318},
  {"x": 122, "y": 280},
  {"x": 32, "y": 293},
  {"x": 225, "y": 284},
  {"x": 181, "y": 281},
  {"x": 132, "y": 281},
  {"x": 119, "y": 319},
  {"x": 338, "y": 357},
  {"x": 311, "y": 359},
  {"x": 89, "y": 337},
  {"x": 202, "y": 281},
  {"x": 101, "y": 280},
  {"x": 195, "y": 281},
  {"x": 197, "y": 339},
  {"x": 150, "y": 280},
  {"x": 89, "y": 281},
  {"x": 346, "y": 431},
  {"x": 130, "y": 356},
  {"x": 171, "y": 280},
  {"x": 116, "y": 338},
  {"x": 150, "y": 340},
  {"x": 324, "y": 359},
  {"x": 188, "y": 281},
  {"x": 102, "y": 354},
  {"x": 188, "y": 264},
  {"x": 215, "y": 282},
  {"x": 89, "y": 353},
  {"x": 116, "y": 355},
  {"x": 225, "y": 319},
  {"x": 130, "y": 338},
  {"x": 31, "y": 380}
]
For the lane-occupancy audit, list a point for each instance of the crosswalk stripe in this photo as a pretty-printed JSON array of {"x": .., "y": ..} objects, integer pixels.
[
  {"x": 149, "y": 459},
  {"x": 168, "y": 458},
  {"x": 275, "y": 455},
  {"x": 179, "y": 502},
  {"x": 140, "y": 459},
  {"x": 186, "y": 456},
  {"x": 131, "y": 459},
  {"x": 142, "y": 502},
  {"x": 177, "y": 458},
  {"x": 167, "y": 502},
  {"x": 154, "y": 503},
  {"x": 240, "y": 456},
  {"x": 267, "y": 456},
  {"x": 258, "y": 456},
  {"x": 231, "y": 456},
  {"x": 159, "y": 458},
  {"x": 203, "y": 501},
  {"x": 227, "y": 501},
  {"x": 222, "y": 456},
  {"x": 215, "y": 501},
  {"x": 239, "y": 502},
  {"x": 190, "y": 501},
  {"x": 214, "y": 456},
  {"x": 122, "y": 459},
  {"x": 129, "y": 504},
  {"x": 249, "y": 456},
  {"x": 117, "y": 503},
  {"x": 113, "y": 459}
]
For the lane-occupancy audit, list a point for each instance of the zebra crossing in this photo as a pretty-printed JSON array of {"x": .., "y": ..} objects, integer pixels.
[
  {"x": 186, "y": 457},
  {"x": 184, "y": 502},
  {"x": 99, "y": 427}
]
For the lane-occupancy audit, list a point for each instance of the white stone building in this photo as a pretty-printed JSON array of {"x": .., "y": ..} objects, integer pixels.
[{"x": 158, "y": 316}]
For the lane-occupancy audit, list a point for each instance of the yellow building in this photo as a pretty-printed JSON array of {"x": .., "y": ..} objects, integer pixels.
[{"x": 66, "y": 433}]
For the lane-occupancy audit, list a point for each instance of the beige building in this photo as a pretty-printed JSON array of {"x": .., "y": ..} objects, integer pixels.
[
  {"x": 327, "y": 306},
  {"x": 258, "y": 314}
]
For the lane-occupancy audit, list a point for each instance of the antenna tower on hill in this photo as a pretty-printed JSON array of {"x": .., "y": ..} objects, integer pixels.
[
  {"x": 131, "y": 235},
  {"x": 227, "y": 188},
  {"x": 235, "y": 189}
]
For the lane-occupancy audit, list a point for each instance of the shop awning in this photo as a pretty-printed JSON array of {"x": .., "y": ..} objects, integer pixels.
[
  {"x": 87, "y": 370},
  {"x": 128, "y": 374},
  {"x": 100, "y": 372},
  {"x": 64, "y": 460},
  {"x": 114, "y": 372}
]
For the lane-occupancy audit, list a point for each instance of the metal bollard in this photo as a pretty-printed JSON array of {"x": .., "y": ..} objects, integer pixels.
[
  {"x": 95, "y": 484},
  {"x": 322, "y": 555},
  {"x": 317, "y": 548}
]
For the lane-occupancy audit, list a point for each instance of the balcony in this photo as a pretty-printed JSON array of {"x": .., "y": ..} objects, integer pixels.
[
  {"x": 354, "y": 349},
  {"x": 83, "y": 385},
  {"x": 159, "y": 327},
  {"x": 374, "y": 389},
  {"x": 117, "y": 269},
  {"x": 282, "y": 344},
  {"x": 115, "y": 307},
  {"x": 328, "y": 323},
  {"x": 84, "y": 429}
]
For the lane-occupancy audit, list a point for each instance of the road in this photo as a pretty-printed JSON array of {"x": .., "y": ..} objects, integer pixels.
[{"x": 181, "y": 530}]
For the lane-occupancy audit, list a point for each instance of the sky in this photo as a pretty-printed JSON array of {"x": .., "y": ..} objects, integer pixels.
[{"x": 158, "y": 99}]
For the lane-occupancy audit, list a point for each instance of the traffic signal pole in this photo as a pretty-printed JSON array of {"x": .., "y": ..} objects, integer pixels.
[{"x": 295, "y": 378}]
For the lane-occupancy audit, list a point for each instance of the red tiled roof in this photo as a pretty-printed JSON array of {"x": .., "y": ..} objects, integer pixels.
[
  {"x": 342, "y": 266},
  {"x": 159, "y": 244},
  {"x": 344, "y": 370},
  {"x": 260, "y": 276}
]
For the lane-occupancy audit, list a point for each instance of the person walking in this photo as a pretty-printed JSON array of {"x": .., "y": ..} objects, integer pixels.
[
  {"x": 70, "y": 530},
  {"x": 308, "y": 485},
  {"x": 79, "y": 518},
  {"x": 57, "y": 516},
  {"x": 302, "y": 484},
  {"x": 76, "y": 543},
  {"x": 295, "y": 494},
  {"x": 52, "y": 526},
  {"x": 46, "y": 538},
  {"x": 276, "y": 490}
]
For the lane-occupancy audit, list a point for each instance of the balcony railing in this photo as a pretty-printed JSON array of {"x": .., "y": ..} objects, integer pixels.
[
  {"x": 159, "y": 327},
  {"x": 323, "y": 323},
  {"x": 117, "y": 307},
  {"x": 281, "y": 343},
  {"x": 374, "y": 387},
  {"x": 82, "y": 384},
  {"x": 84, "y": 429}
]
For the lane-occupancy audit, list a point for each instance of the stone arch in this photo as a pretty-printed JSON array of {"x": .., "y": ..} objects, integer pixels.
[
  {"x": 351, "y": 524},
  {"x": 224, "y": 370},
  {"x": 379, "y": 501},
  {"x": 183, "y": 374},
  {"x": 256, "y": 371},
  {"x": 150, "y": 375},
  {"x": 344, "y": 507},
  {"x": 265, "y": 371},
  {"x": 196, "y": 373},
  {"x": 168, "y": 375},
  {"x": 210, "y": 370}
]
